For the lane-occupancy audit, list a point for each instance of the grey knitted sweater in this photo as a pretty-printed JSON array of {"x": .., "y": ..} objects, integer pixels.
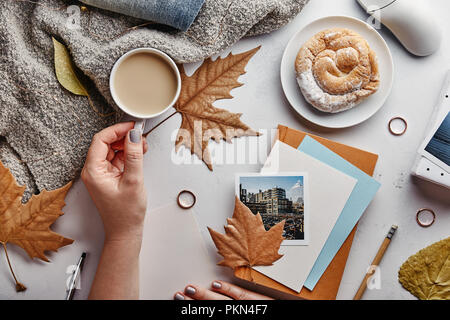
[{"x": 45, "y": 131}]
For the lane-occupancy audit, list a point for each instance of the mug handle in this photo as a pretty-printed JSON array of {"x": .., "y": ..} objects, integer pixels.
[{"x": 140, "y": 124}]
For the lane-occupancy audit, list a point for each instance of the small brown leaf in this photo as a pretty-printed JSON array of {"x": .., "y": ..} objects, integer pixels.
[
  {"x": 246, "y": 242},
  {"x": 201, "y": 121},
  {"x": 427, "y": 273}
]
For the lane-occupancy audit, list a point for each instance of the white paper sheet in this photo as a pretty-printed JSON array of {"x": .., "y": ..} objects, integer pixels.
[
  {"x": 329, "y": 190},
  {"x": 173, "y": 252}
]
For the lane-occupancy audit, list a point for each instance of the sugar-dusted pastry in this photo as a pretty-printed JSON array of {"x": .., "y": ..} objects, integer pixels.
[{"x": 336, "y": 70}]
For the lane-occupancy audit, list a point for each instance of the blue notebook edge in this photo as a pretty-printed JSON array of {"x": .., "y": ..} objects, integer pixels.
[{"x": 360, "y": 198}]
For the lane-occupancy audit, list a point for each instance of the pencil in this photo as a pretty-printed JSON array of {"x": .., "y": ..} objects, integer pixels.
[{"x": 376, "y": 261}]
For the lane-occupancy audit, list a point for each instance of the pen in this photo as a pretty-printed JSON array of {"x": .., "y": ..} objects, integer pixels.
[
  {"x": 74, "y": 277},
  {"x": 376, "y": 261}
]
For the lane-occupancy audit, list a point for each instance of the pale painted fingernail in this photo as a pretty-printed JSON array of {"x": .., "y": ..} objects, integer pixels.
[
  {"x": 179, "y": 297},
  {"x": 190, "y": 291},
  {"x": 216, "y": 285},
  {"x": 135, "y": 136}
]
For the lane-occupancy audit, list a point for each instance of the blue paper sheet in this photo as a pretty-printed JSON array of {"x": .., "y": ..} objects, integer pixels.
[{"x": 359, "y": 199}]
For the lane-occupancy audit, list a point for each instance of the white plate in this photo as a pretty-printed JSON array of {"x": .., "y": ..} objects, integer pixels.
[{"x": 365, "y": 109}]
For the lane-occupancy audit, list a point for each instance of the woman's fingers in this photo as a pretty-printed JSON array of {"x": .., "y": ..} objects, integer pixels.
[
  {"x": 134, "y": 155},
  {"x": 181, "y": 296},
  {"x": 145, "y": 146},
  {"x": 119, "y": 145},
  {"x": 220, "y": 291},
  {"x": 118, "y": 161},
  {"x": 198, "y": 293},
  {"x": 111, "y": 155},
  {"x": 235, "y": 292},
  {"x": 101, "y": 142}
]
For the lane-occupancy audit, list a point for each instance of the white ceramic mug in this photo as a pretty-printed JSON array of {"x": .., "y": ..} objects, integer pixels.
[{"x": 140, "y": 120}]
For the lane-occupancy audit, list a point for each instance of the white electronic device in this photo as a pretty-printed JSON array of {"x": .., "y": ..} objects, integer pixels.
[
  {"x": 411, "y": 21},
  {"x": 433, "y": 162}
]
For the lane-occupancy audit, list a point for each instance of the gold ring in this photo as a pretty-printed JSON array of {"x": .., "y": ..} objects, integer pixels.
[
  {"x": 183, "y": 206},
  {"x": 395, "y": 133},
  {"x": 425, "y": 225}
]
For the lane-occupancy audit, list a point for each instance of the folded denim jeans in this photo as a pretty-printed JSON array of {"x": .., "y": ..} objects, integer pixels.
[{"x": 175, "y": 13}]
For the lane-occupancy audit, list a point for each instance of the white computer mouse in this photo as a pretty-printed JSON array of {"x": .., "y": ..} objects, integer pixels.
[{"x": 411, "y": 21}]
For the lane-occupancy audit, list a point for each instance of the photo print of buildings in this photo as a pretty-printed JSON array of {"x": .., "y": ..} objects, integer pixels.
[{"x": 276, "y": 198}]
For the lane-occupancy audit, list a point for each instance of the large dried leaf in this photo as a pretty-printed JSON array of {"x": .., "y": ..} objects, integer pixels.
[
  {"x": 65, "y": 72},
  {"x": 201, "y": 121},
  {"x": 246, "y": 242},
  {"x": 28, "y": 226},
  {"x": 427, "y": 273}
]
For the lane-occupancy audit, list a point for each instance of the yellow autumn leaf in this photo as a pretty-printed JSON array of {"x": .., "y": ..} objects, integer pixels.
[
  {"x": 426, "y": 274},
  {"x": 65, "y": 72}
]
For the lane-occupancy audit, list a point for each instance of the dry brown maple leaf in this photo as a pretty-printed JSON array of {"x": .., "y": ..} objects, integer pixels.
[
  {"x": 246, "y": 242},
  {"x": 201, "y": 121},
  {"x": 28, "y": 225}
]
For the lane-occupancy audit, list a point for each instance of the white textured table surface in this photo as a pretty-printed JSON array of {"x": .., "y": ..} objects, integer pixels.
[{"x": 261, "y": 100}]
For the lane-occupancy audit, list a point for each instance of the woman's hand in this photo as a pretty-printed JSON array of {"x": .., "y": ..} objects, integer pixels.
[
  {"x": 113, "y": 175},
  {"x": 220, "y": 290}
]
